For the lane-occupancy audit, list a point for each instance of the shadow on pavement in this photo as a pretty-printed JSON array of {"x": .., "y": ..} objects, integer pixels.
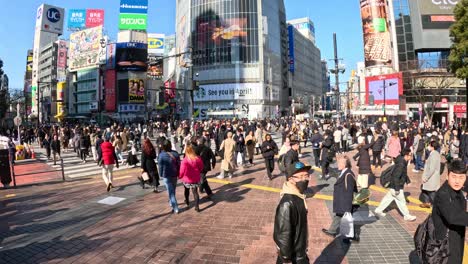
[
  {"x": 231, "y": 193},
  {"x": 312, "y": 191},
  {"x": 40, "y": 252},
  {"x": 335, "y": 252}
]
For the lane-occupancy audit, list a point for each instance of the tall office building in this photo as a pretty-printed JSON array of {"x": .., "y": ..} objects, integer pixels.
[
  {"x": 305, "y": 66},
  {"x": 237, "y": 57}
]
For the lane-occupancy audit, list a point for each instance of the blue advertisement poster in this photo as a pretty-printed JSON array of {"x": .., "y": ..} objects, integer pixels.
[{"x": 76, "y": 19}]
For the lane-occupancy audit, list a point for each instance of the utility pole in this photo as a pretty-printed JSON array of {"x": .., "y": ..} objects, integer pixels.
[{"x": 337, "y": 74}]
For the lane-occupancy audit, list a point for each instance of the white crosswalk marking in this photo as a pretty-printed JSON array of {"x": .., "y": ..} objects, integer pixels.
[{"x": 73, "y": 166}]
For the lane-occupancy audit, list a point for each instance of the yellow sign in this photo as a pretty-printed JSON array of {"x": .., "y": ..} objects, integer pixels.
[
  {"x": 155, "y": 43},
  {"x": 60, "y": 98}
]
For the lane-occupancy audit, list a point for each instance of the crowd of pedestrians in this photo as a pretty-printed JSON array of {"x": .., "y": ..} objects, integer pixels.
[{"x": 186, "y": 151}]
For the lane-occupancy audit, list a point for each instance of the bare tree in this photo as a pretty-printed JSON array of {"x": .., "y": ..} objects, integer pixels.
[{"x": 429, "y": 83}]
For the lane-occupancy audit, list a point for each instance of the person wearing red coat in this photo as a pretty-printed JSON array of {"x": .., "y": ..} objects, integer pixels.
[
  {"x": 107, "y": 160},
  {"x": 190, "y": 174}
]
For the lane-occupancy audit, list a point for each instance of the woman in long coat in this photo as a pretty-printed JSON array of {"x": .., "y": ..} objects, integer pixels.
[
  {"x": 148, "y": 165},
  {"x": 250, "y": 142},
  {"x": 259, "y": 139},
  {"x": 228, "y": 164}
]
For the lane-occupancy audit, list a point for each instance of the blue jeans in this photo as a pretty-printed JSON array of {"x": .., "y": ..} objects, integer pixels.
[
  {"x": 419, "y": 163},
  {"x": 171, "y": 184}
]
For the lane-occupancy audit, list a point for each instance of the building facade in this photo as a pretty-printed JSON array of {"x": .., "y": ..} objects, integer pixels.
[
  {"x": 237, "y": 59},
  {"x": 47, "y": 80},
  {"x": 305, "y": 67},
  {"x": 423, "y": 45}
]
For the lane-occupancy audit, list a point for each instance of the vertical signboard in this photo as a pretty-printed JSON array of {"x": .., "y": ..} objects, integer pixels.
[
  {"x": 61, "y": 60},
  {"x": 133, "y": 14},
  {"x": 110, "y": 90},
  {"x": 291, "y": 47},
  {"x": 60, "y": 98},
  {"x": 110, "y": 57},
  {"x": 50, "y": 19},
  {"x": 94, "y": 17},
  {"x": 377, "y": 46},
  {"x": 136, "y": 90},
  {"x": 76, "y": 19}
]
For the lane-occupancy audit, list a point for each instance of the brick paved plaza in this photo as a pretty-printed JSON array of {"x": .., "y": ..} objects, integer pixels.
[{"x": 66, "y": 222}]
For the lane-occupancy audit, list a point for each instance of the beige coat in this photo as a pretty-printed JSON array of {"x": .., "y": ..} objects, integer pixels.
[
  {"x": 124, "y": 136},
  {"x": 251, "y": 147},
  {"x": 229, "y": 146}
]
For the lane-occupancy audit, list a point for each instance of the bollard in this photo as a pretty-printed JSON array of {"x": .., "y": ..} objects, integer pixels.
[{"x": 63, "y": 171}]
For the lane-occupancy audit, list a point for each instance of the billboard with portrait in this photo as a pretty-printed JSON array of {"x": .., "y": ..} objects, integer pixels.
[
  {"x": 136, "y": 90},
  {"x": 76, "y": 19},
  {"x": 94, "y": 17},
  {"x": 390, "y": 84},
  {"x": 377, "y": 38},
  {"x": 85, "y": 48},
  {"x": 131, "y": 56}
]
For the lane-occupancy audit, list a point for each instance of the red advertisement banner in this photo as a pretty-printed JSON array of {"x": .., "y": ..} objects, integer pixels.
[
  {"x": 459, "y": 108},
  {"x": 110, "y": 90},
  {"x": 94, "y": 17}
]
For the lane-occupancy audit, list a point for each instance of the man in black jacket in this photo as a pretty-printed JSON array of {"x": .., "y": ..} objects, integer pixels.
[
  {"x": 316, "y": 140},
  {"x": 209, "y": 162},
  {"x": 449, "y": 212},
  {"x": 398, "y": 180},
  {"x": 292, "y": 156},
  {"x": 327, "y": 155},
  {"x": 290, "y": 230}
]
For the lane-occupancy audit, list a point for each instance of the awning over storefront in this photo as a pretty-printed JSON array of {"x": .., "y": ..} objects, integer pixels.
[{"x": 389, "y": 112}]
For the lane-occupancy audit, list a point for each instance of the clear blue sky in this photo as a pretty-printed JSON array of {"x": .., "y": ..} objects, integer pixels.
[{"x": 17, "y": 22}]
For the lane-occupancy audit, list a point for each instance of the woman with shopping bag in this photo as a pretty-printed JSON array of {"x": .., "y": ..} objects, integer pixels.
[{"x": 343, "y": 194}]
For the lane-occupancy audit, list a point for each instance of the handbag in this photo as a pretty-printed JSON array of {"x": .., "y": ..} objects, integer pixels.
[
  {"x": 144, "y": 176},
  {"x": 347, "y": 225}
]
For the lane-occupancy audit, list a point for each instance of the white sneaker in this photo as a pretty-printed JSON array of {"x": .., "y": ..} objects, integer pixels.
[
  {"x": 410, "y": 218},
  {"x": 380, "y": 214},
  {"x": 220, "y": 177},
  {"x": 415, "y": 171}
]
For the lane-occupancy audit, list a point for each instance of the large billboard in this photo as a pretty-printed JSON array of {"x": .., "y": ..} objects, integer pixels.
[
  {"x": 76, "y": 19},
  {"x": 50, "y": 18},
  {"x": 437, "y": 14},
  {"x": 94, "y": 17},
  {"x": 437, "y": 7},
  {"x": 85, "y": 48},
  {"x": 388, "y": 87},
  {"x": 156, "y": 44},
  {"x": 110, "y": 90},
  {"x": 131, "y": 56},
  {"x": 224, "y": 39},
  {"x": 133, "y": 21},
  {"x": 377, "y": 45},
  {"x": 136, "y": 90}
]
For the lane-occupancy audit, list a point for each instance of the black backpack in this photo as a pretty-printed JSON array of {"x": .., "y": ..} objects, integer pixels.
[
  {"x": 386, "y": 176},
  {"x": 429, "y": 249},
  {"x": 281, "y": 164}
]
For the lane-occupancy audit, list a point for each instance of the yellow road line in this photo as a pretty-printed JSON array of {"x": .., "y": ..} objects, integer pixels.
[
  {"x": 316, "y": 196},
  {"x": 10, "y": 195}
]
